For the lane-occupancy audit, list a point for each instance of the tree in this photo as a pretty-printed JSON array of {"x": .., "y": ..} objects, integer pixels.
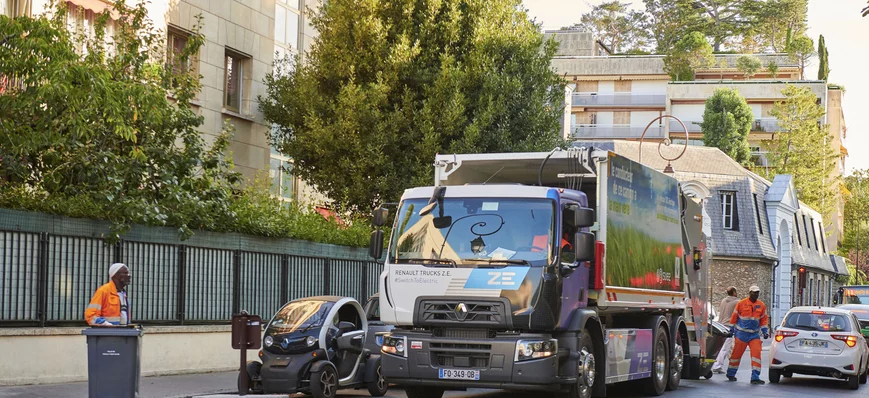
[
  {"x": 726, "y": 18},
  {"x": 773, "y": 20},
  {"x": 616, "y": 26},
  {"x": 748, "y": 65},
  {"x": 802, "y": 149},
  {"x": 856, "y": 240},
  {"x": 690, "y": 53},
  {"x": 772, "y": 67},
  {"x": 802, "y": 50},
  {"x": 669, "y": 20},
  {"x": 823, "y": 60},
  {"x": 865, "y": 10},
  {"x": 726, "y": 123},
  {"x": 387, "y": 85}
]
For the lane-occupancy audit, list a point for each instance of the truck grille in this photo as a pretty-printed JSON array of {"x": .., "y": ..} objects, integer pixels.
[
  {"x": 468, "y": 313},
  {"x": 455, "y": 333},
  {"x": 461, "y": 355}
]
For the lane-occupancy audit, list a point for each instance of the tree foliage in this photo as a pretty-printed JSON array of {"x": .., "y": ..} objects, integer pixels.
[
  {"x": 802, "y": 50},
  {"x": 387, "y": 85},
  {"x": 690, "y": 53},
  {"x": 617, "y": 27},
  {"x": 823, "y": 60},
  {"x": 670, "y": 20},
  {"x": 748, "y": 65},
  {"x": 726, "y": 123},
  {"x": 802, "y": 149},
  {"x": 772, "y": 21},
  {"x": 772, "y": 68},
  {"x": 108, "y": 133},
  {"x": 856, "y": 240}
]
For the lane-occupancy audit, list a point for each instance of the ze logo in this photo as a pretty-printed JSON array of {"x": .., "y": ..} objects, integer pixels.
[{"x": 500, "y": 278}]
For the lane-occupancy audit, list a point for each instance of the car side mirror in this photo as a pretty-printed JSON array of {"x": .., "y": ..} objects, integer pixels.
[
  {"x": 345, "y": 326},
  {"x": 379, "y": 216},
  {"x": 583, "y": 217},
  {"x": 585, "y": 246},
  {"x": 375, "y": 246}
]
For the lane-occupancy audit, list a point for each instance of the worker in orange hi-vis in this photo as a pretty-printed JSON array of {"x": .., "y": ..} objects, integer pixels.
[
  {"x": 109, "y": 305},
  {"x": 748, "y": 321}
]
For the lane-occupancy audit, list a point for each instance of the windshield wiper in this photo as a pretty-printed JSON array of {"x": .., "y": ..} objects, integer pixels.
[
  {"x": 433, "y": 261},
  {"x": 494, "y": 261}
]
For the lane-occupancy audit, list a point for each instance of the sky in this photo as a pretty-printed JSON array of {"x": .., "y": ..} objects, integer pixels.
[{"x": 845, "y": 32}]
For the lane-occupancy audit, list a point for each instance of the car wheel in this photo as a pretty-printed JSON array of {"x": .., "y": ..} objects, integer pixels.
[
  {"x": 324, "y": 383},
  {"x": 378, "y": 387},
  {"x": 774, "y": 376},
  {"x": 854, "y": 382},
  {"x": 657, "y": 383},
  {"x": 423, "y": 392},
  {"x": 677, "y": 364},
  {"x": 586, "y": 373}
]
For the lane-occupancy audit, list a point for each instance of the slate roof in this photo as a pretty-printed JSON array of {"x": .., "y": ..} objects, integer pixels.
[
  {"x": 718, "y": 172},
  {"x": 839, "y": 265}
]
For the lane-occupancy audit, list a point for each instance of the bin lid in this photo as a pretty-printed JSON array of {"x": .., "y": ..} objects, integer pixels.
[{"x": 112, "y": 331}]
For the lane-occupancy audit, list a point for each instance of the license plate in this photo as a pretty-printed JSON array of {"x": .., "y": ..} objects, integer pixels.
[
  {"x": 459, "y": 374},
  {"x": 813, "y": 343}
]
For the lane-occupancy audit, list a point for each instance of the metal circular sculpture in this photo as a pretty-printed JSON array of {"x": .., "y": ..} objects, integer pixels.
[{"x": 665, "y": 141}]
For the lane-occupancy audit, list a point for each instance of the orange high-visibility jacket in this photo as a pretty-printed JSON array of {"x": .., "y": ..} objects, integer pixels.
[
  {"x": 105, "y": 306},
  {"x": 750, "y": 319}
]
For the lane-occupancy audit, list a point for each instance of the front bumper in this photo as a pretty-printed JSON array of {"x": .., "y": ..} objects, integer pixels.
[
  {"x": 285, "y": 374},
  {"x": 494, "y": 358},
  {"x": 817, "y": 365}
]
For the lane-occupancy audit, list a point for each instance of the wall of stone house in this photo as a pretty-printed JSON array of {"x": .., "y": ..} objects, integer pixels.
[{"x": 742, "y": 274}]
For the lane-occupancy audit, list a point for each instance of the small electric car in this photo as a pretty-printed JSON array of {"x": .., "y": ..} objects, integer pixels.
[
  {"x": 820, "y": 341},
  {"x": 316, "y": 346}
]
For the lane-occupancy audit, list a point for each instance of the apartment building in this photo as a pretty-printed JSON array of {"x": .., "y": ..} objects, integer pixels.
[
  {"x": 243, "y": 38},
  {"x": 617, "y": 96}
]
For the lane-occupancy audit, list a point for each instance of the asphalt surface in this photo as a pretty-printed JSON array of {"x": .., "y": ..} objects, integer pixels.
[{"x": 201, "y": 385}]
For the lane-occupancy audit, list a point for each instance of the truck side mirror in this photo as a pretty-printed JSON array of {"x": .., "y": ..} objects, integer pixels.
[
  {"x": 375, "y": 246},
  {"x": 584, "y": 246},
  {"x": 379, "y": 216},
  {"x": 583, "y": 217}
]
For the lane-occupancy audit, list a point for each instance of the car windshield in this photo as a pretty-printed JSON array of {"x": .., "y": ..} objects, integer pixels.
[
  {"x": 855, "y": 296},
  {"x": 817, "y": 321},
  {"x": 475, "y": 232},
  {"x": 302, "y": 315}
]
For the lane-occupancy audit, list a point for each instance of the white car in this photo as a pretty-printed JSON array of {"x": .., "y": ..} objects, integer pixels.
[{"x": 819, "y": 341}]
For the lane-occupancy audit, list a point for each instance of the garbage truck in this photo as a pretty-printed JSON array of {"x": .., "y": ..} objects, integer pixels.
[{"x": 562, "y": 272}]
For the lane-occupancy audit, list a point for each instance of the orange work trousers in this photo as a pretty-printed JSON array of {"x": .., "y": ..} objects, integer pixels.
[{"x": 738, "y": 349}]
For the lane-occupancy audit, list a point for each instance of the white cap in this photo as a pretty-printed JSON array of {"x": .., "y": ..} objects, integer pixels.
[
  {"x": 754, "y": 289},
  {"x": 115, "y": 268}
]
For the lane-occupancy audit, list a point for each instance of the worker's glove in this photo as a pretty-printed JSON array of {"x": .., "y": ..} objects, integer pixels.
[
  {"x": 732, "y": 331},
  {"x": 766, "y": 336},
  {"x": 106, "y": 323}
]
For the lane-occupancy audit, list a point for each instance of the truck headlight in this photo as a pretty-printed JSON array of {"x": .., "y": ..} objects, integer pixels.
[
  {"x": 310, "y": 341},
  {"x": 534, "y": 349},
  {"x": 268, "y": 341},
  {"x": 394, "y": 345}
]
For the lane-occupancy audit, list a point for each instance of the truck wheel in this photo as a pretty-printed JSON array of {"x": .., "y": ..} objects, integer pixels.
[
  {"x": 378, "y": 387},
  {"x": 586, "y": 368},
  {"x": 677, "y": 364},
  {"x": 657, "y": 383},
  {"x": 423, "y": 392},
  {"x": 324, "y": 383},
  {"x": 774, "y": 376}
]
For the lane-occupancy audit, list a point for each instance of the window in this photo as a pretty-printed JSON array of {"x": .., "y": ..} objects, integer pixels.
[
  {"x": 281, "y": 172},
  {"x": 175, "y": 44},
  {"x": 757, "y": 213},
  {"x": 15, "y": 8},
  {"x": 809, "y": 292},
  {"x": 806, "y": 231},
  {"x": 287, "y": 17},
  {"x": 232, "y": 87},
  {"x": 797, "y": 230},
  {"x": 821, "y": 231},
  {"x": 729, "y": 212}
]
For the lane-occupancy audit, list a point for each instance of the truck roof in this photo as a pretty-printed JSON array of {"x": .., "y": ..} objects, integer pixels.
[{"x": 515, "y": 167}]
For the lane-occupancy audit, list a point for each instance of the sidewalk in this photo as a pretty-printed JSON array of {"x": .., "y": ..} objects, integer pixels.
[{"x": 182, "y": 386}]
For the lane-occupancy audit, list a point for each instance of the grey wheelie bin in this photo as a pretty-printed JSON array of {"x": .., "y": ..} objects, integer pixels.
[{"x": 113, "y": 361}]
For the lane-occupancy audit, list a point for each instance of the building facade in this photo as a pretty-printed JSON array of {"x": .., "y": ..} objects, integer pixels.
[{"x": 619, "y": 97}]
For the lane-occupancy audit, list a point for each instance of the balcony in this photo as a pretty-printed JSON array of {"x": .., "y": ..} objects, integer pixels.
[
  {"x": 759, "y": 157},
  {"x": 766, "y": 125},
  {"x": 693, "y": 126},
  {"x": 619, "y": 132},
  {"x": 621, "y": 100}
]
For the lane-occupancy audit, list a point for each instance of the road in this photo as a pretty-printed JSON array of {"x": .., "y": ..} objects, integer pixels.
[{"x": 718, "y": 386}]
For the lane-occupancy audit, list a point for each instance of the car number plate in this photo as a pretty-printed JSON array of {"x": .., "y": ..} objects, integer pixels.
[
  {"x": 459, "y": 374},
  {"x": 813, "y": 343}
]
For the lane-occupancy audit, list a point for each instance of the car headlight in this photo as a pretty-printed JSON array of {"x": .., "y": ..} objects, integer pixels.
[
  {"x": 535, "y": 349},
  {"x": 394, "y": 345},
  {"x": 268, "y": 341},
  {"x": 310, "y": 341}
]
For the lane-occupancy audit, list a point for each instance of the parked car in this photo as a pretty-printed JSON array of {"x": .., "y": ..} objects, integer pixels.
[
  {"x": 861, "y": 311},
  {"x": 376, "y": 327},
  {"x": 820, "y": 341},
  {"x": 316, "y": 346}
]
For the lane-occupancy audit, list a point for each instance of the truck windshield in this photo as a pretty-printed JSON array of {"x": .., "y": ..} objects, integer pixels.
[
  {"x": 475, "y": 232},
  {"x": 856, "y": 295}
]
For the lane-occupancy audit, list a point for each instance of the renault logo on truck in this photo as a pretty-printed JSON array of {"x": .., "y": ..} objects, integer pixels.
[{"x": 461, "y": 311}]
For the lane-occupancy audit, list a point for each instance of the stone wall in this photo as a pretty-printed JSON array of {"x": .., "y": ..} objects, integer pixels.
[{"x": 741, "y": 274}]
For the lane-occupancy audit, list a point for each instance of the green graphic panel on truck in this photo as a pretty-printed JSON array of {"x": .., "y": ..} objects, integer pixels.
[{"x": 644, "y": 243}]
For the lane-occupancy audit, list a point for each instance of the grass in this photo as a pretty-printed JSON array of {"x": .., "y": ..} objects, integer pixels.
[{"x": 634, "y": 257}]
